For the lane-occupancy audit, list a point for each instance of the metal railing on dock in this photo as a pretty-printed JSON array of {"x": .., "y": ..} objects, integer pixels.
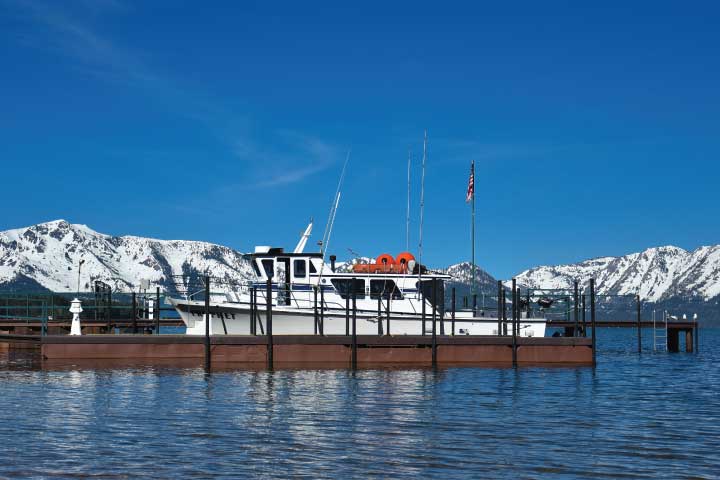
[{"x": 132, "y": 312}]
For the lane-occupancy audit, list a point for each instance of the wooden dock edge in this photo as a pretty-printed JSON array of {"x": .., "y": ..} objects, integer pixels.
[{"x": 323, "y": 350}]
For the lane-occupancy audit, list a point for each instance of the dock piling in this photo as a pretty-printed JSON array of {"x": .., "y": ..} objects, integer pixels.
[
  {"x": 639, "y": 327},
  {"x": 109, "y": 309},
  {"x": 499, "y": 307},
  {"x": 252, "y": 311},
  {"x": 434, "y": 322},
  {"x": 134, "y": 313},
  {"x": 504, "y": 312},
  {"x": 514, "y": 328},
  {"x": 422, "y": 296},
  {"x": 584, "y": 309},
  {"x": 379, "y": 314},
  {"x": 44, "y": 320},
  {"x": 315, "y": 311},
  {"x": 347, "y": 313},
  {"x": 452, "y": 324},
  {"x": 322, "y": 312},
  {"x": 442, "y": 318},
  {"x": 207, "y": 321},
  {"x": 387, "y": 310},
  {"x": 387, "y": 314},
  {"x": 674, "y": 329},
  {"x": 592, "y": 318},
  {"x": 575, "y": 310},
  {"x": 157, "y": 310},
  {"x": 268, "y": 322},
  {"x": 354, "y": 327}
]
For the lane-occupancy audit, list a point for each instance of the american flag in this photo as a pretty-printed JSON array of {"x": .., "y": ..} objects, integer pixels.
[{"x": 471, "y": 183}]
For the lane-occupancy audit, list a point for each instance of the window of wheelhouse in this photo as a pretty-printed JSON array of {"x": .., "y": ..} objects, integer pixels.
[
  {"x": 345, "y": 287},
  {"x": 300, "y": 268},
  {"x": 384, "y": 289},
  {"x": 269, "y": 267},
  {"x": 312, "y": 267}
]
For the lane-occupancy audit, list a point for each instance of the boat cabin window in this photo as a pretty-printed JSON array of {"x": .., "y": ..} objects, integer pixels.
[
  {"x": 255, "y": 267},
  {"x": 300, "y": 268},
  {"x": 268, "y": 267},
  {"x": 345, "y": 287},
  {"x": 312, "y": 267},
  {"x": 384, "y": 289}
]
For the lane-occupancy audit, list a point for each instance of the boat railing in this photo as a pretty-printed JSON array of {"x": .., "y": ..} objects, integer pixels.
[{"x": 302, "y": 296}]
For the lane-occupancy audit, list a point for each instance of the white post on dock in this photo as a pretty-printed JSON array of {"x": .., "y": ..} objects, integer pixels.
[{"x": 76, "y": 310}]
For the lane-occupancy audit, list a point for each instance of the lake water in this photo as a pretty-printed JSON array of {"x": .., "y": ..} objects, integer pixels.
[{"x": 634, "y": 416}]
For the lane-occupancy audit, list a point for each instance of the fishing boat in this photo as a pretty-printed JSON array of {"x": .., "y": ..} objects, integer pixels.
[{"x": 392, "y": 295}]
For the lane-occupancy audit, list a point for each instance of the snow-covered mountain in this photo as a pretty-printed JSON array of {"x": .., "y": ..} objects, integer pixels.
[
  {"x": 47, "y": 256},
  {"x": 656, "y": 274},
  {"x": 461, "y": 273}
]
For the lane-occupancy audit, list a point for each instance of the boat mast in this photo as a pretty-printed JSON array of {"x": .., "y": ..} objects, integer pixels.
[
  {"x": 407, "y": 217},
  {"x": 422, "y": 208}
]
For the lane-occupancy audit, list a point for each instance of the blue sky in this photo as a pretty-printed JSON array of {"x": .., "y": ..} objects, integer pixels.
[{"x": 594, "y": 128}]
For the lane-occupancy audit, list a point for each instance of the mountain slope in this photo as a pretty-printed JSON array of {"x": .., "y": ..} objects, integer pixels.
[
  {"x": 47, "y": 256},
  {"x": 656, "y": 274}
]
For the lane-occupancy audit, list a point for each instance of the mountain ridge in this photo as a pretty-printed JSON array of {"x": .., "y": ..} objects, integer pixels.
[
  {"x": 656, "y": 274},
  {"x": 46, "y": 256}
]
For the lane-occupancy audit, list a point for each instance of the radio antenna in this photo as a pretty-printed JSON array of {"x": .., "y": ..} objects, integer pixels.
[
  {"x": 422, "y": 208},
  {"x": 407, "y": 217},
  {"x": 333, "y": 210}
]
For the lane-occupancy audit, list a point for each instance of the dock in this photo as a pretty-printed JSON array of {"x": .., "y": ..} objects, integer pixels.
[
  {"x": 138, "y": 337},
  {"x": 280, "y": 350},
  {"x": 674, "y": 331}
]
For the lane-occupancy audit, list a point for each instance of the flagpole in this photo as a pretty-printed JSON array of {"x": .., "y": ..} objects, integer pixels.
[{"x": 472, "y": 288}]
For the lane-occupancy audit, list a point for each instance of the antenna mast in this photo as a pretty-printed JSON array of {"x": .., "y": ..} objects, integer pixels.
[
  {"x": 333, "y": 210},
  {"x": 422, "y": 209},
  {"x": 407, "y": 218},
  {"x": 332, "y": 222}
]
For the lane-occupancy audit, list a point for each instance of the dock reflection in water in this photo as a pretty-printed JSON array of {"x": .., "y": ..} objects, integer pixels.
[{"x": 648, "y": 416}]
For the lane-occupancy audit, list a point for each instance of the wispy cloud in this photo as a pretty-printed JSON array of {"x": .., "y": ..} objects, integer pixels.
[
  {"x": 67, "y": 35},
  {"x": 71, "y": 33},
  {"x": 293, "y": 157}
]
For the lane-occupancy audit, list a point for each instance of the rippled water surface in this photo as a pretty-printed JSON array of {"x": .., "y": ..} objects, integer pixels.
[{"x": 648, "y": 416}]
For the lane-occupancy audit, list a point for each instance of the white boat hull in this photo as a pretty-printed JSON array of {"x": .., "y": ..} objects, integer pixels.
[{"x": 234, "y": 319}]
